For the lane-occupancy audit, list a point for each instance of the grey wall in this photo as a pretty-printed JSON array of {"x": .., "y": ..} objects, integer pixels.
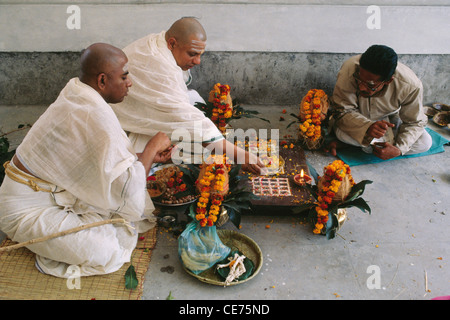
[
  {"x": 255, "y": 77},
  {"x": 284, "y": 78},
  {"x": 269, "y": 52}
]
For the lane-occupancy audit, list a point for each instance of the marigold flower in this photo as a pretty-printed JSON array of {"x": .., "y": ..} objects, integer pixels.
[
  {"x": 334, "y": 188},
  {"x": 214, "y": 208},
  {"x": 201, "y": 205},
  {"x": 203, "y": 200},
  {"x": 204, "y": 194},
  {"x": 200, "y": 210},
  {"x": 323, "y": 206},
  {"x": 327, "y": 199}
]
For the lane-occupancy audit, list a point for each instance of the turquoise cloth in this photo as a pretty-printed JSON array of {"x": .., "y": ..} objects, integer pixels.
[{"x": 354, "y": 156}]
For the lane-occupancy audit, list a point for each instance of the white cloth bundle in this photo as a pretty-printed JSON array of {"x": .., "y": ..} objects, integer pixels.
[
  {"x": 158, "y": 99},
  {"x": 78, "y": 146}
]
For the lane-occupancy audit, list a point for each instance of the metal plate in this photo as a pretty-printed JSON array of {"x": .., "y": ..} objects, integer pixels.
[{"x": 161, "y": 167}]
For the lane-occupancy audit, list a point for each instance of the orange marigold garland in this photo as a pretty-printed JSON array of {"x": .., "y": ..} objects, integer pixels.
[
  {"x": 310, "y": 114},
  {"x": 211, "y": 186},
  {"x": 333, "y": 193},
  {"x": 222, "y": 106},
  {"x": 333, "y": 176}
]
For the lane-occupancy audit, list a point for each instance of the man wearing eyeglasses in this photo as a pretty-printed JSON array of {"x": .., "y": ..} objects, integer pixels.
[{"x": 378, "y": 106}]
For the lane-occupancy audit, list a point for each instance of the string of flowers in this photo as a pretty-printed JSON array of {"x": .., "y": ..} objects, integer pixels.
[
  {"x": 311, "y": 110},
  {"x": 208, "y": 205},
  {"x": 222, "y": 111},
  {"x": 334, "y": 173}
]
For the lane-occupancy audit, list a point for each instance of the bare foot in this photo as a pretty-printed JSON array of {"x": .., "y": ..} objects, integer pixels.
[{"x": 331, "y": 147}]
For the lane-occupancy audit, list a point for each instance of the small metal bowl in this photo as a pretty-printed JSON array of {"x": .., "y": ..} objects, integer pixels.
[
  {"x": 430, "y": 111},
  {"x": 442, "y": 118},
  {"x": 441, "y": 106},
  {"x": 167, "y": 221}
]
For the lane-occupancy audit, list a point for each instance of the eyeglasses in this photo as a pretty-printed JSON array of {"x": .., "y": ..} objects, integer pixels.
[{"x": 369, "y": 85}]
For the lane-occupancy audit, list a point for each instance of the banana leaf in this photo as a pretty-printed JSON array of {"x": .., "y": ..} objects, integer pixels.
[
  {"x": 248, "y": 264},
  {"x": 357, "y": 190},
  {"x": 238, "y": 113},
  {"x": 131, "y": 281},
  {"x": 313, "y": 172},
  {"x": 360, "y": 203},
  {"x": 190, "y": 175}
]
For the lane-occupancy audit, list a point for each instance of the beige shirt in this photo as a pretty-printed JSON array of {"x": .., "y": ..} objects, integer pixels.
[{"x": 402, "y": 97}]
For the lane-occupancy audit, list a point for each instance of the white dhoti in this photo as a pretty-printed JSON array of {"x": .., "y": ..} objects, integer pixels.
[
  {"x": 87, "y": 173},
  {"x": 31, "y": 215}
]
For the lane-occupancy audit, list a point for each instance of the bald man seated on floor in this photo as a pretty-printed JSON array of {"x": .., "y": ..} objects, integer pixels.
[
  {"x": 77, "y": 166},
  {"x": 159, "y": 65}
]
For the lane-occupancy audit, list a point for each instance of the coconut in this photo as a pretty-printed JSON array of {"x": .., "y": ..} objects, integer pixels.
[
  {"x": 227, "y": 100},
  {"x": 344, "y": 188},
  {"x": 225, "y": 183},
  {"x": 324, "y": 105}
]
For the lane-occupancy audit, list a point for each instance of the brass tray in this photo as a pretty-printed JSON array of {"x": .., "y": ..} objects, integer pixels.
[{"x": 156, "y": 201}]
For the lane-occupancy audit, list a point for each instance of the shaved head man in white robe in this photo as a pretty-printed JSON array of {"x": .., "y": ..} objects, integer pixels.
[
  {"x": 77, "y": 166},
  {"x": 160, "y": 100}
]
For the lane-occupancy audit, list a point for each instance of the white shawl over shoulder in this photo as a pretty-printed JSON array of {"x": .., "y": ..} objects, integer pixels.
[
  {"x": 79, "y": 145},
  {"x": 158, "y": 99}
]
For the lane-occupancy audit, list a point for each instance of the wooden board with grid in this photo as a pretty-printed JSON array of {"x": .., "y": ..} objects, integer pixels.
[{"x": 271, "y": 187}]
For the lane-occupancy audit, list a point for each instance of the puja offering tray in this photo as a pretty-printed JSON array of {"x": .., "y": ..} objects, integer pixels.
[
  {"x": 279, "y": 192},
  {"x": 167, "y": 187}
]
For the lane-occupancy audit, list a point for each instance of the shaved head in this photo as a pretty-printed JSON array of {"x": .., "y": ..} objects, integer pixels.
[
  {"x": 104, "y": 68},
  {"x": 186, "y": 29},
  {"x": 186, "y": 38},
  {"x": 98, "y": 58}
]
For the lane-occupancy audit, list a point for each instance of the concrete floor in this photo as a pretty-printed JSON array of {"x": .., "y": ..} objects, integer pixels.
[{"x": 405, "y": 241}]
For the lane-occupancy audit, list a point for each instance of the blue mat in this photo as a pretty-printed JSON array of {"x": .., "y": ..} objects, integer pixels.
[{"x": 354, "y": 156}]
